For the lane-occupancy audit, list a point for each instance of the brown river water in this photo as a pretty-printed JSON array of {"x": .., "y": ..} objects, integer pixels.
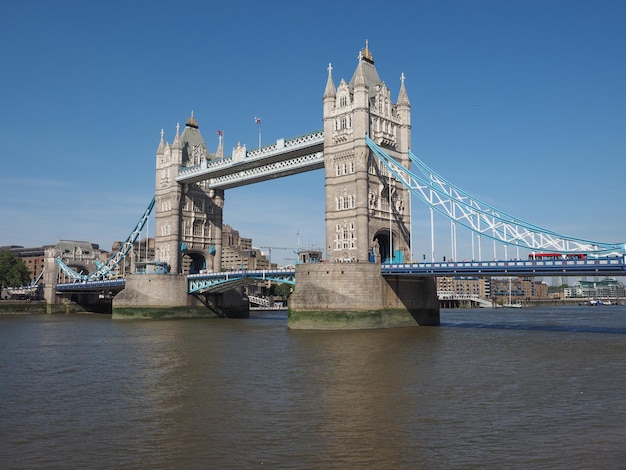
[{"x": 490, "y": 388}]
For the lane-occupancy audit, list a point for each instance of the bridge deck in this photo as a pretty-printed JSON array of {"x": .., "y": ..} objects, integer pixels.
[
  {"x": 92, "y": 286},
  {"x": 222, "y": 281},
  {"x": 615, "y": 266},
  {"x": 285, "y": 157}
]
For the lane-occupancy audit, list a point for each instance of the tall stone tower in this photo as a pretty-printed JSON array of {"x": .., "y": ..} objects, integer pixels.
[
  {"x": 188, "y": 216},
  {"x": 367, "y": 210},
  {"x": 367, "y": 216}
]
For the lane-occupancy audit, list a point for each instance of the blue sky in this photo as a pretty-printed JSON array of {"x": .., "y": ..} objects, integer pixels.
[{"x": 522, "y": 104}]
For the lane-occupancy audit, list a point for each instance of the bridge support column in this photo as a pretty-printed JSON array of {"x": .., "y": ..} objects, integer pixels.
[
  {"x": 331, "y": 296},
  {"x": 164, "y": 296},
  {"x": 54, "y": 303}
]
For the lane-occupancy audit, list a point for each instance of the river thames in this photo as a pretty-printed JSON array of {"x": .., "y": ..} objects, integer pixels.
[{"x": 539, "y": 388}]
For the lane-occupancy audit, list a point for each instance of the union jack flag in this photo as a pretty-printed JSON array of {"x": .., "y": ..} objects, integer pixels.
[{"x": 257, "y": 120}]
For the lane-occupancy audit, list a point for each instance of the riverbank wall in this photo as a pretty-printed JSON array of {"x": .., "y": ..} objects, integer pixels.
[{"x": 39, "y": 307}]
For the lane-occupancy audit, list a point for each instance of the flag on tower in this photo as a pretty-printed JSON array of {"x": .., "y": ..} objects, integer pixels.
[
  {"x": 220, "y": 133},
  {"x": 257, "y": 120}
]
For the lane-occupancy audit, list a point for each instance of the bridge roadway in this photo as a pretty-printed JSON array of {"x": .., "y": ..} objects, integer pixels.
[
  {"x": 223, "y": 281},
  {"x": 612, "y": 266},
  {"x": 92, "y": 286},
  {"x": 283, "y": 158}
]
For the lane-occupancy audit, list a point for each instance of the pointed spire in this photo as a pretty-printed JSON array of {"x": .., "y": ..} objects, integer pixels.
[
  {"x": 365, "y": 75},
  {"x": 403, "y": 97},
  {"x": 219, "y": 153},
  {"x": 365, "y": 54},
  {"x": 177, "y": 143},
  {"x": 161, "y": 147},
  {"x": 359, "y": 76},
  {"x": 330, "y": 91},
  {"x": 191, "y": 122}
]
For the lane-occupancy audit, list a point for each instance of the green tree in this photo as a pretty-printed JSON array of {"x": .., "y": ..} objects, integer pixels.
[
  {"x": 13, "y": 271},
  {"x": 283, "y": 290}
]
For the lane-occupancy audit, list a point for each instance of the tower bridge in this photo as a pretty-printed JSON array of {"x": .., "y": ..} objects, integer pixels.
[{"x": 370, "y": 177}]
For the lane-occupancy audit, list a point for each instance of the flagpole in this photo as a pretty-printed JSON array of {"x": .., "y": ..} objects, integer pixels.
[{"x": 258, "y": 122}]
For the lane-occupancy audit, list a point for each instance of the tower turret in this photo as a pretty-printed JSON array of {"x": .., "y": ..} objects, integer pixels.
[
  {"x": 367, "y": 211},
  {"x": 188, "y": 216},
  {"x": 404, "y": 115}
]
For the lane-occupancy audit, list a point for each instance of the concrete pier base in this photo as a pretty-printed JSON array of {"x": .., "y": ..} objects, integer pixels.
[
  {"x": 158, "y": 296},
  {"x": 331, "y": 296}
]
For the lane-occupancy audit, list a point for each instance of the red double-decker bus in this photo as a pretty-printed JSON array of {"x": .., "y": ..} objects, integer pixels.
[{"x": 556, "y": 256}]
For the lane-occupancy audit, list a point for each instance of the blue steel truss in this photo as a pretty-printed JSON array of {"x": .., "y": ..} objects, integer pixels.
[
  {"x": 104, "y": 269},
  {"x": 482, "y": 218},
  {"x": 219, "y": 282}
]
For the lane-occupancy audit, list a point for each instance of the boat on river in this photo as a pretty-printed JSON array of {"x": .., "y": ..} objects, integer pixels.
[{"x": 511, "y": 304}]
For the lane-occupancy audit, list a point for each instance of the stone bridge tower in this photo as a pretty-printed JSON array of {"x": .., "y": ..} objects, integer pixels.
[
  {"x": 188, "y": 216},
  {"x": 367, "y": 216},
  {"x": 367, "y": 211}
]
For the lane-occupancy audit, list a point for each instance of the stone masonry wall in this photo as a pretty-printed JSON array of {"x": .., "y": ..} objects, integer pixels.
[
  {"x": 155, "y": 290},
  {"x": 356, "y": 295}
]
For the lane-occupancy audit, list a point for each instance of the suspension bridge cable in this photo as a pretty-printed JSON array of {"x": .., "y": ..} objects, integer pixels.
[{"x": 460, "y": 207}]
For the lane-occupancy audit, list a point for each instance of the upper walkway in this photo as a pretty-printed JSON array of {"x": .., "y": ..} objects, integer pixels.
[{"x": 283, "y": 158}]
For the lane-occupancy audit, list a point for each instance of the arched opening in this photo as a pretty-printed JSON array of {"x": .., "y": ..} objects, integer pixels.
[
  {"x": 193, "y": 263},
  {"x": 382, "y": 247},
  {"x": 77, "y": 267}
]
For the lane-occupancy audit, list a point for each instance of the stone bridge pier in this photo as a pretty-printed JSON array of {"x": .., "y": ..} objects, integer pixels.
[
  {"x": 157, "y": 296},
  {"x": 356, "y": 295}
]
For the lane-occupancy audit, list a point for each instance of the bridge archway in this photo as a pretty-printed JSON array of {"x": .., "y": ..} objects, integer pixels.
[
  {"x": 194, "y": 262},
  {"x": 80, "y": 268},
  {"x": 382, "y": 246}
]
